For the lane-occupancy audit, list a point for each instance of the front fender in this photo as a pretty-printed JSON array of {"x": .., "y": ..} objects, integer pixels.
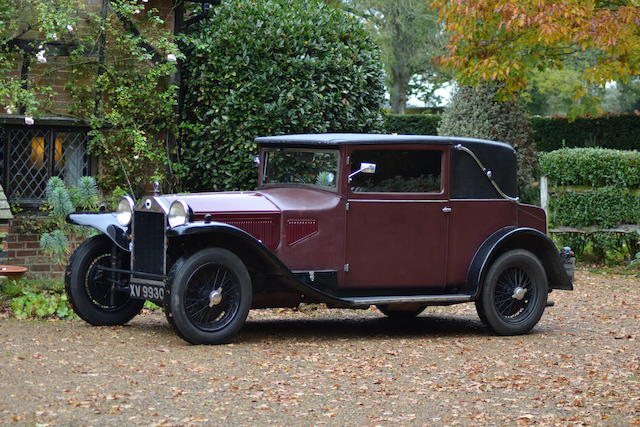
[
  {"x": 268, "y": 261},
  {"x": 104, "y": 222},
  {"x": 518, "y": 238}
]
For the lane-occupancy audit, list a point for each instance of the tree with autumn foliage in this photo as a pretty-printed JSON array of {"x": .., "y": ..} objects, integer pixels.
[{"x": 506, "y": 41}]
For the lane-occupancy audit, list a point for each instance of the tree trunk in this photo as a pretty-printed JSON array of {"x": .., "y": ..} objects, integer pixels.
[{"x": 398, "y": 91}]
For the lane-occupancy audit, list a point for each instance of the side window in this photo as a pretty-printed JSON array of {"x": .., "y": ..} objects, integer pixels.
[{"x": 398, "y": 171}]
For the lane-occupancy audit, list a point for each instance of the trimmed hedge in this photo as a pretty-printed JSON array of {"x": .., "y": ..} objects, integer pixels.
[
  {"x": 607, "y": 198},
  {"x": 595, "y": 167},
  {"x": 605, "y": 207},
  {"x": 412, "y": 124},
  {"x": 621, "y": 132}
]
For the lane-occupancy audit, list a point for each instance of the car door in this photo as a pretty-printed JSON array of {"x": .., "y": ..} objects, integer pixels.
[{"x": 396, "y": 227}]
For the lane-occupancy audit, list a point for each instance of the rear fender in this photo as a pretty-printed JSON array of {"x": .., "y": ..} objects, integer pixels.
[
  {"x": 518, "y": 238},
  {"x": 104, "y": 222}
]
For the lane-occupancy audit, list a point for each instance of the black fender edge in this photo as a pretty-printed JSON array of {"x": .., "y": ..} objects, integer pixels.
[
  {"x": 513, "y": 237},
  {"x": 104, "y": 222},
  {"x": 273, "y": 265}
]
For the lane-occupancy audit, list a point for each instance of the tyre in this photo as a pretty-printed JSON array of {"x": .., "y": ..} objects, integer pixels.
[
  {"x": 401, "y": 311},
  {"x": 93, "y": 295},
  {"x": 210, "y": 296},
  {"x": 514, "y": 293},
  {"x": 480, "y": 311}
]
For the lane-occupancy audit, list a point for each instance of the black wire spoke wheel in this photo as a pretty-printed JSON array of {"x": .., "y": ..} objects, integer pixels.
[
  {"x": 97, "y": 296},
  {"x": 514, "y": 293},
  {"x": 101, "y": 288},
  {"x": 210, "y": 296}
]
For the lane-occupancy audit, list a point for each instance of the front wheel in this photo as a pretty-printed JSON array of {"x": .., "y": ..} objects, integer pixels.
[
  {"x": 210, "y": 296},
  {"x": 97, "y": 296},
  {"x": 514, "y": 293}
]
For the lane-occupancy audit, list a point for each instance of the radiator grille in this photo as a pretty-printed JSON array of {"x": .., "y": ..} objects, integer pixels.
[{"x": 148, "y": 242}]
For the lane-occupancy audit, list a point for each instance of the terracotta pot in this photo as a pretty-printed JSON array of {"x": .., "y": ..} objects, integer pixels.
[{"x": 13, "y": 272}]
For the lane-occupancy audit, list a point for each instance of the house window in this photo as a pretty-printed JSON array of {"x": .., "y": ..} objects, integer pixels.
[{"x": 30, "y": 155}]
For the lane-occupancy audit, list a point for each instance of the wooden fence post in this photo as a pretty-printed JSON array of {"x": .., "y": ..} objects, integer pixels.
[{"x": 544, "y": 195}]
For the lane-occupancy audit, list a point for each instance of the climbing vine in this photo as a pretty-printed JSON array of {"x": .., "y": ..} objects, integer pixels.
[{"x": 117, "y": 60}]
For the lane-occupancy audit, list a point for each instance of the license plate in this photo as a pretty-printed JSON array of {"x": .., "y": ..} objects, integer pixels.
[{"x": 146, "y": 291}]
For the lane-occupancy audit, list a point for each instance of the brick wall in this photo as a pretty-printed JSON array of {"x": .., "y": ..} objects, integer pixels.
[{"x": 23, "y": 249}]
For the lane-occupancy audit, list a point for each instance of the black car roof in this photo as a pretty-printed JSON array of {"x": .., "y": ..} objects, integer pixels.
[
  {"x": 468, "y": 179},
  {"x": 332, "y": 139}
]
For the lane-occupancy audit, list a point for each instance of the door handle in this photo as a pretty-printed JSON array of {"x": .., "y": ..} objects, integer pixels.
[{"x": 446, "y": 209}]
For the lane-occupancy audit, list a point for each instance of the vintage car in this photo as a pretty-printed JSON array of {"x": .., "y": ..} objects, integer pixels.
[{"x": 351, "y": 220}]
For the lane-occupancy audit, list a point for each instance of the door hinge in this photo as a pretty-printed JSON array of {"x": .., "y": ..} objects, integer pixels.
[
  {"x": 348, "y": 160},
  {"x": 346, "y": 268},
  {"x": 346, "y": 207}
]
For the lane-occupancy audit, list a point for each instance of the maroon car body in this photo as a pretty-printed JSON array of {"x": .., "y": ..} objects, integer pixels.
[{"x": 350, "y": 220}]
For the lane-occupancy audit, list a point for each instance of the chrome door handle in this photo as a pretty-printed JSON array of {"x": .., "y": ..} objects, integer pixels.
[{"x": 446, "y": 209}]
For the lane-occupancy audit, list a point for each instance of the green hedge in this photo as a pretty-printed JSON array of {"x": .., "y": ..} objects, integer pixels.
[
  {"x": 621, "y": 132},
  {"x": 604, "y": 195},
  {"x": 595, "y": 167},
  {"x": 412, "y": 124},
  {"x": 605, "y": 207}
]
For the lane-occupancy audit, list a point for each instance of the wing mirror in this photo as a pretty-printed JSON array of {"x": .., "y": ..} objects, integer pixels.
[{"x": 364, "y": 168}]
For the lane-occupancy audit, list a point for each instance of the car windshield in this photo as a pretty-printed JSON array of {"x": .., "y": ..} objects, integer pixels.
[{"x": 300, "y": 166}]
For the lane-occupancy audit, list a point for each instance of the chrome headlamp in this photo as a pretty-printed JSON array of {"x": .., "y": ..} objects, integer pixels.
[
  {"x": 178, "y": 213},
  {"x": 124, "y": 213}
]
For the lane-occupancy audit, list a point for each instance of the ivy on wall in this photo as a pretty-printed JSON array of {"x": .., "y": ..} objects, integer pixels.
[{"x": 119, "y": 61}]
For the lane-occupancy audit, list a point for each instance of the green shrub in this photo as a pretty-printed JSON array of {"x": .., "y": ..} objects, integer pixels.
[
  {"x": 37, "y": 298},
  {"x": 604, "y": 196},
  {"x": 412, "y": 124},
  {"x": 60, "y": 203},
  {"x": 605, "y": 207},
  {"x": 596, "y": 167},
  {"x": 41, "y": 305},
  {"x": 599, "y": 247},
  {"x": 621, "y": 132},
  {"x": 271, "y": 67}
]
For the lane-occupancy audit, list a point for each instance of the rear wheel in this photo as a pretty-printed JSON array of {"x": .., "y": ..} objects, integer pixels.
[
  {"x": 210, "y": 296},
  {"x": 98, "y": 296},
  {"x": 514, "y": 294},
  {"x": 401, "y": 311}
]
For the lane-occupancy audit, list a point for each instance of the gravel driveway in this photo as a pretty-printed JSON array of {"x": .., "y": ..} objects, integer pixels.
[{"x": 339, "y": 367}]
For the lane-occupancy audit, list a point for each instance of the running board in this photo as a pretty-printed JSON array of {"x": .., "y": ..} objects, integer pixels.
[{"x": 407, "y": 299}]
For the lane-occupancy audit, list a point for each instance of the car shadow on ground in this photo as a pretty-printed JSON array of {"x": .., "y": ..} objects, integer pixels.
[
  {"x": 354, "y": 328},
  {"x": 340, "y": 328}
]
